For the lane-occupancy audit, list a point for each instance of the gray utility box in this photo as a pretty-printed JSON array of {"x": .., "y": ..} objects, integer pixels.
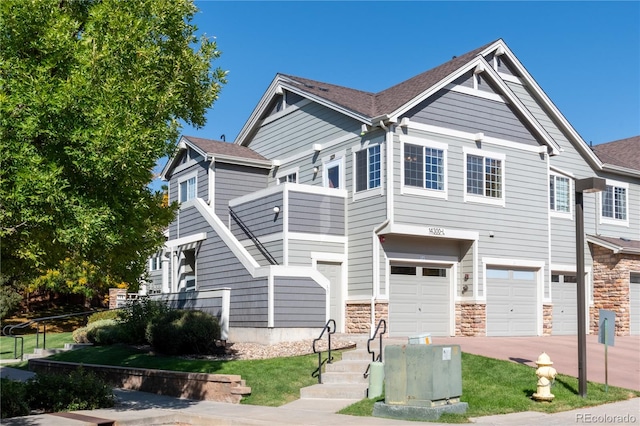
[{"x": 422, "y": 375}]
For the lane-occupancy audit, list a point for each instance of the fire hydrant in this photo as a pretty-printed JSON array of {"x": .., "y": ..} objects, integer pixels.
[{"x": 546, "y": 375}]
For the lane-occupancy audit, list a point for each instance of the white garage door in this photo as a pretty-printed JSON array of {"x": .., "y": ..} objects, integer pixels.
[
  {"x": 565, "y": 304},
  {"x": 511, "y": 302},
  {"x": 419, "y": 300},
  {"x": 634, "y": 302}
]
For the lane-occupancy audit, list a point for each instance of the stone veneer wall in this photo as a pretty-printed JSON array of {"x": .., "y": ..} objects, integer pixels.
[
  {"x": 611, "y": 275},
  {"x": 358, "y": 316},
  {"x": 471, "y": 319},
  {"x": 547, "y": 320}
]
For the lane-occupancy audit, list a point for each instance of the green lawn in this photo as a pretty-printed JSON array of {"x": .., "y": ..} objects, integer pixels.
[
  {"x": 489, "y": 386},
  {"x": 54, "y": 341}
]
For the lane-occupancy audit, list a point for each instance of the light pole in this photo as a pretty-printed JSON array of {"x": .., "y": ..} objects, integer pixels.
[{"x": 592, "y": 184}]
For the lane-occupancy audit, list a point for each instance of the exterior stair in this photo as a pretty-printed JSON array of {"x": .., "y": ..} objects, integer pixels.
[{"x": 343, "y": 379}]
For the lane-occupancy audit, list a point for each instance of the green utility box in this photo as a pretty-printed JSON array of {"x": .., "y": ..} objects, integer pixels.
[{"x": 422, "y": 375}]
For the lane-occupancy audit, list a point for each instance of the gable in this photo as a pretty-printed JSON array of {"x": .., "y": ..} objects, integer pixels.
[{"x": 456, "y": 110}]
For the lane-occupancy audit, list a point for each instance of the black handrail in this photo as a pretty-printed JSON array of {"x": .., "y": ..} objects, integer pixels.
[
  {"x": 253, "y": 238},
  {"x": 382, "y": 322},
  {"x": 327, "y": 327},
  {"x": 7, "y": 331}
]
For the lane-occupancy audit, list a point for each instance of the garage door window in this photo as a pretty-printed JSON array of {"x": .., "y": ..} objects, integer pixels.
[
  {"x": 434, "y": 272},
  {"x": 403, "y": 270}
]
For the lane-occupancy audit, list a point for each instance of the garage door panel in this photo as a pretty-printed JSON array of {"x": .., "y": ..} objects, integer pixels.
[
  {"x": 418, "y": 303},
  {"x": 511, "y": 302}
]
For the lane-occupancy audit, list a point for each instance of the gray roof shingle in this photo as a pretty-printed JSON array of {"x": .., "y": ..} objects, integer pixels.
[
  {"x": 622, "y": 153},
  {"x": 229, "y": 149},
  {"x": 385, "y": 102}
]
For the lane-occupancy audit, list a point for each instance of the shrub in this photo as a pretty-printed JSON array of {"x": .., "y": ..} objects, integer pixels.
[
  {"x": 102, "y": 315},
  {"x": 14, "y": 399},
  {"x": 79, "y": 390},
  {"x": 136, "y": 316},
  {"x": 184, "y": 332},
  {"x": 100, "y": 332}
]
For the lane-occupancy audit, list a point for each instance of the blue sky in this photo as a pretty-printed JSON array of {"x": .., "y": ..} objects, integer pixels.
[{"x": 584, "y": 55}]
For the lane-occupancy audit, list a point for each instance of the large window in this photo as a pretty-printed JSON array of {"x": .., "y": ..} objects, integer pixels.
[
  {"x": 484, "y": 177},
  {"x": 424, "y": 167},
  {"x": 559, "y": 193},
  {"x": 614, "y": 202},
  {"x": 368, "y": 168},
  {"x": 187, "y": 188}
]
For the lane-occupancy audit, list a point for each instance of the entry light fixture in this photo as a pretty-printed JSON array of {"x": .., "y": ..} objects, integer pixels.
[
  {"x": 316, "y": 169},
  {"x": 317, "y": 147},
  {"x": 276, "y": 209},
  {"x": 364, "y": 129}
]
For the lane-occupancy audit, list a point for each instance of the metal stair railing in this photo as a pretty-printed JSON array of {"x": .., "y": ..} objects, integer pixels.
[
  {"x": 263, "y": 250},
  {"x": 381, "y": 323},
  {"x": 7, "y": 331},
  {"x": 327, "y": 328}
]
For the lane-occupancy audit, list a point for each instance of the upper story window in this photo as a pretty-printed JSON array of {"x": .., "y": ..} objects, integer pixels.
[
  {"x": 484, "y": 176},
  {"x": 424, "y": 165},
  {"x": 289, "y": 175},
  {"x": 155, "y": 263},
  {"x": 368, "y": 166},
  {"x": 559, "y": 194},
  {"x": 187, "y": 187},
  {"x": 614, "y": 203},
  {"x": 332, "y": 171}
]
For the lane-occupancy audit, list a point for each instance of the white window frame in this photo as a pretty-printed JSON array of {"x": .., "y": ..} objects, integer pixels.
[
  {"x": 182, "y": 179},
  {"x": 435, "y": 193},
  {"x": 283, "y": 176},
  {"x": 613, "y": 220},
  {"x": 329, "y": 163},
  {"x": 369, "y": 192},
  {"x": 553, "y": 211},
  {"x": 503, "y": 167}
]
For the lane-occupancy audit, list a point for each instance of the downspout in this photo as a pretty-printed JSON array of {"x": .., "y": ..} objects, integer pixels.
[{"x": 375, "y": 288}]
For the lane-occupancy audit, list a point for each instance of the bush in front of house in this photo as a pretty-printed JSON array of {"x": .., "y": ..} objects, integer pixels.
[
  {"x": 79, "y": 390},
  {"x": 100, "y": 332},
  {"x": 103, "y": 315},
  {"x": 14, "y": 399},
  {"x": 136, "y": 316},
  {"x": 182, "y": 332}
]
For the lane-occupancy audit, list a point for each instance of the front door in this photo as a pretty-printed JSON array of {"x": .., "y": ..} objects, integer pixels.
[{"x": 333, "y": 271}]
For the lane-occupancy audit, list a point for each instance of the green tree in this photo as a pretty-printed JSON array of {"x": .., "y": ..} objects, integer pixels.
[{"x": 92, "y": 94}]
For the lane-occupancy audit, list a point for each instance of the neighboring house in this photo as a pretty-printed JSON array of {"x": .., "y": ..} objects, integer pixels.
[{"x": 443, "y": 204}]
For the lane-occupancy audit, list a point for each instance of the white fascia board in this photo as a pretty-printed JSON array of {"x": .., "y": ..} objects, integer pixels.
[
  {"x": 620, "y": 170},
  {"x": 424, "y": 231},
  {"x": 240, "y": 161},
  {"x": 582, "y": 146},
  {"x": 173, "y": 244},
  {"x": 321, "y": 238},
  {"x": 558, "y": 170},
  {"x": 258, "y": 110},
  {"x": 517, "y": 103},
  {"x": 183, "y": 143},
  {"x": 522, "y": 263},
  {"x": 257, "y": 194},
  {"x": 434, "y": 89}
]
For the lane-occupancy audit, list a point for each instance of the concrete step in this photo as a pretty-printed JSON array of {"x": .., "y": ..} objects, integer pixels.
[
  {"x": 335, "y": 391},
  {"x": 343, "y": 377},
  {"x": 347, "y": 366},
  {"x": 356, "y": 355}
]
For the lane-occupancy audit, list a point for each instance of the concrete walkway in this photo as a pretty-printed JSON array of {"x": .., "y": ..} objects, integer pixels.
[{"x": 139, "y": 408}]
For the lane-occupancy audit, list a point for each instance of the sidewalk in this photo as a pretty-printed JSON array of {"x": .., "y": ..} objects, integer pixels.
[{"x": 142, "y": 409}]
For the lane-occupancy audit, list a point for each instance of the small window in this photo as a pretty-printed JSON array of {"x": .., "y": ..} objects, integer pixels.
[
  {"x": 555, "y": 278},
  {"x": 559, "y": 194},
  {"x": 155, "y": 263},
  {"x": 292, "y": 178},
  {"x": 333, "y": 173},
  {"x": 187, "y": 189},
  {"x": 403, "y": 270},
  {"x": 368, "y": 168}
]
